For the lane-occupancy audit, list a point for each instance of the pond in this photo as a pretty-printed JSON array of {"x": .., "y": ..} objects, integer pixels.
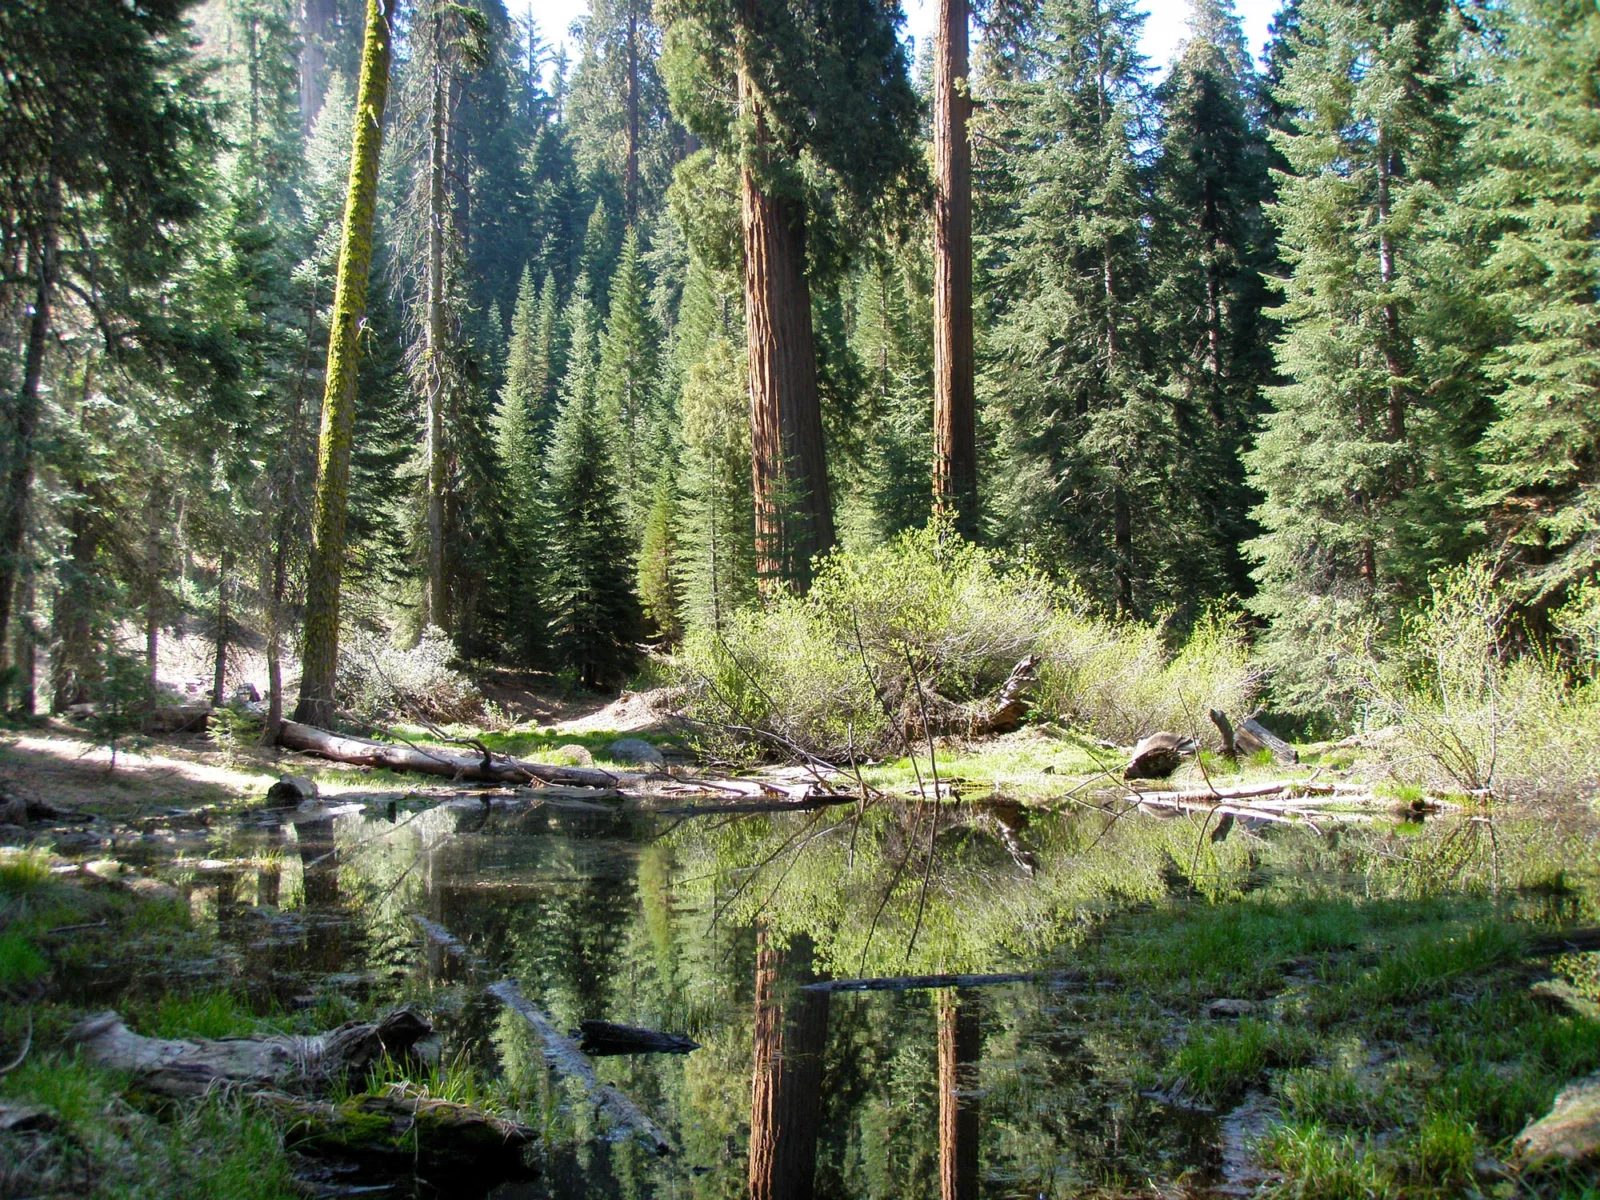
[{"x": 720, "y": 927}]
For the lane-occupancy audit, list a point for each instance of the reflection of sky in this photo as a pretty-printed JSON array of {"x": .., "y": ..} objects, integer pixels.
[{"x": 1166, "y": 27}]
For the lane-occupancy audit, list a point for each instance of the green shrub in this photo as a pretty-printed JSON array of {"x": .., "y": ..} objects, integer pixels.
[{"x": 838, "y": 668}]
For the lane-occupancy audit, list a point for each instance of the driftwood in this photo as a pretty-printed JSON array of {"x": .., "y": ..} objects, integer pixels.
[
  {"x": 602, "y": 1039},
  {"x": 1001, "y": 712},
  {"x": 1254, "y": 737},
  {"x": 179, "y": 1067},
  {"x": 401, "y": 1130},
  {"x": 561, "y": 1055},
  {"x": 915, "y": 983}
]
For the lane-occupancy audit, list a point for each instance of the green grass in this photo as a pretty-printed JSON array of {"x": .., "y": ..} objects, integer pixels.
[
  {"x": 23, "y": 871},
  {"x": 1221, "y": 1062},
  {"x": 20, "y": 961},
  {"x": 207, "y": 1014}
]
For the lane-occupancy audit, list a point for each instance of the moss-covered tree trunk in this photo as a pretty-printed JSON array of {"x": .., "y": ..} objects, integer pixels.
[
  {"x": 794, "y": 513},
  {"x": 955, "y": 427},
  {"x": 320, "y": 648}
]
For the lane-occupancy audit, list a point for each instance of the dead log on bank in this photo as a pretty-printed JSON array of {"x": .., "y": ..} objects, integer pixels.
[
  {"x": 180, "y": 1067},
  {"x": 451, "y": 764},
  {"x": 602, "y": 1039},
  {"x": 561, "y": 1055},
  {"x": 1001, "y": 712},
  {"x": 1253, "y": 737}
]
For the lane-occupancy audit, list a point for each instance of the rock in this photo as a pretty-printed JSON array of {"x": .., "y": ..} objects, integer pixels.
[
  {"x": 1569, "y": 1134},
  {"x": 635, "y": 750},
  {"x": 1230, "y": 1008},
  {"x": 573, "y": 755},
  {"x": 246, "y": 693},
  {"x": 291, "y": 791}
]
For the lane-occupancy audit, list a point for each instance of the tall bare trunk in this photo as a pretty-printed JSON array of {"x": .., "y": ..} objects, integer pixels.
[
  {"x": 24, "y": 422},
  {"x": 437, "y": 604},
  {"x": 325, "y": 570},
  {"x": 955, "y": 430},
  {"x": 794, "y": 514},
  {"x": 72, "y": 613},
  {"x": 960, "y": 1045},
  {"x": 791, "y": 1034},
  {"x": 315, "y": 17},
  {"x": 631, "y": 176},
  {"x": 219, "y": 668},
  {"x": 27, "y": 698},
  {"x": 1393, "y": 353}
]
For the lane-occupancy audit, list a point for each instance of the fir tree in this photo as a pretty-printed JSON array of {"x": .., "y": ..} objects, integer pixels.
[
  {"x": 1364, "y": 462},
  {"x": 596, "y": 611},
  {"x": 629, "y": 367},
  {"x": 518, "y": 448},
  {"x": 1535, "y": 183}
]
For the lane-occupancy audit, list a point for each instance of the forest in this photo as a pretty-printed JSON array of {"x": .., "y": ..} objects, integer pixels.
[{"x": 980, "y": 615}]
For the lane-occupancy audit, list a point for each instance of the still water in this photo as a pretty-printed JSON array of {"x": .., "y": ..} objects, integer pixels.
[{"x": 710, "y": 926}]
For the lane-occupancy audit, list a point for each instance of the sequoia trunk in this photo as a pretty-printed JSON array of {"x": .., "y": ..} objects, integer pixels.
[
  {"x": 794, "y": 514},
  {"x": 960, "y": 1044},
  {"x": 325, "y": 569},
  {"x": 955, "y": 461}
]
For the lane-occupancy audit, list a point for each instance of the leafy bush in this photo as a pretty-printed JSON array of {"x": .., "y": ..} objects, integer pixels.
[
  {"x": 1473, "y": 716},
  {"x": 379, "y": 681},
  {"x": 838, "y": 669}
]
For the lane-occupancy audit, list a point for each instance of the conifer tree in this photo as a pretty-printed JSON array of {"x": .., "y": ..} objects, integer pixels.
[
  {"x": 627, "y": 381},
  {"x": 1072, "y": 379},
  {"x": 1364, "y": 462},
  {"x": 1534, "y": 183},
  {"x": 549, "y": 358},
  {"x": 519, "y": 451},
  {"x": 716, "y": 530},
  {"x": 596, "y": 617}
]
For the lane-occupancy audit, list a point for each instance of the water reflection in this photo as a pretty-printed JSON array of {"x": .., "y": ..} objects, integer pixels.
[{"x": 711, "y": 927}]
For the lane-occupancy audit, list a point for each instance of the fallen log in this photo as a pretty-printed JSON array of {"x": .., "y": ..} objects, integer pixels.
[
  {"x": 398, "y": 1129},
  {"x": 1001, "y": 712},
  {"x": 445, "y": 940},
  {"x": 561, "y": 1055},
  {"x": 915, "y": 983},
  {"x": 602, "y": 1039},
  {"x": 451, "y": 764},
  {"x": 178, "y": 1067},
  {"x": 1253, "y": 737}
]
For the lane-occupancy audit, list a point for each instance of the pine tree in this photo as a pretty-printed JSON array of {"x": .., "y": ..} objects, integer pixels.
[
  {"x": 596, "y": 618},
  {"x": 1364, "y": 462},
  {"x": 627, "y": 381},
  {"x": 1535, "y": 184},
  {"x": 658, "y": 555}
]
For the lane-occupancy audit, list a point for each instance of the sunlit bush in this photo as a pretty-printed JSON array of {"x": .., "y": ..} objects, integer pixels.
[
  {"x": 379, "y": 681},
  {"x": 1471, "y": 715},
  {"x": 1120, "y": 681},
  {"x": 839, "y": 669}
]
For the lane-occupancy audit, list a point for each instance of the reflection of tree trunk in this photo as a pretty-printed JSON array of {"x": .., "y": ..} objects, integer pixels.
[
  {"x": 960, "y": 1044},
  {"x": 791, "y": 1034}
]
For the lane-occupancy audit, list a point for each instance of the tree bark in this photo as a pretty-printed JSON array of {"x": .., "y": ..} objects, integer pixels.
[
  {"x": 71, "y": 615},
  {"x": 794, "y": 513},
  {"x": 960, "y": 1045},
  {"x": 325, "y": 570},
  {"x": 955, "y": 459},
  {"x": 631, "y": 173},
  {"x": 314, "y": 18},
  {"x": 435, "y": 607},
  {"x": 25, "y": 417},
  {"x": 219, "y": 669},
  {"x": 791, "y": 1034}
]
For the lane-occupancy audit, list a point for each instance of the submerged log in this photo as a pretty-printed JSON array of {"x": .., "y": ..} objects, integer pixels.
[
  {"x": 561, "y": 1055},
  {"x": 179, "y": 1067},
  {"x": 602, "y": 1039},
  {"x": 917, "y": 983}
]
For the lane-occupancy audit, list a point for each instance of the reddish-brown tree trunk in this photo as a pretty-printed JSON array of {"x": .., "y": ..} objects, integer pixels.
[
  {"x": 315, "y": 17},
  {"x": 960, "y": 1045},
  {"x": 955, "y": 430},
  {"x": 791, "y": 1033}
]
